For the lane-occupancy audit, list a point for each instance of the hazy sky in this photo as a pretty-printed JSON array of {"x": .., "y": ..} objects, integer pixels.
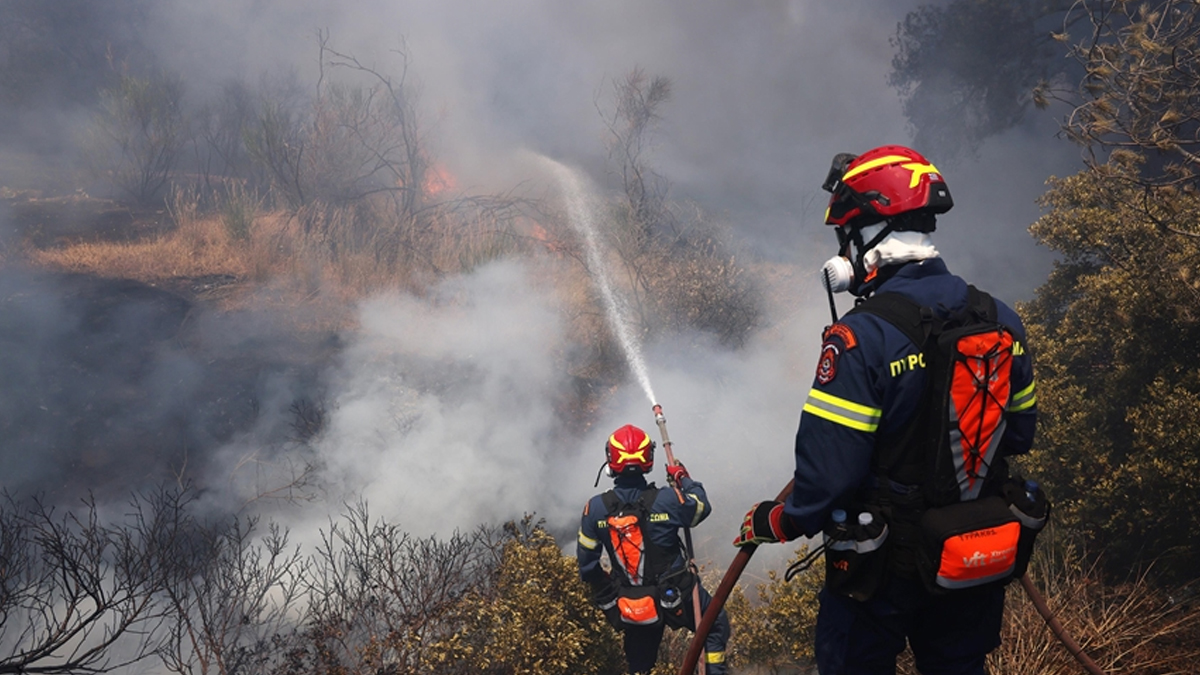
[{"x": 443, "y": 412}]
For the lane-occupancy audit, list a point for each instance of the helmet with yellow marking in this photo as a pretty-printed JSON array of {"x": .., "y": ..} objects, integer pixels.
[
  {"x": 629, "y": 449},
  {"x": 884, "y": 183}
]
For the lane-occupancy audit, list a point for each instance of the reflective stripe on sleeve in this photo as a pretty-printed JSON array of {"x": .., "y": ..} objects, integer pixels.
[
  {"x": 840, "y": 411},
  {"x": 587, "y": 542},
  {"x": 1023, "y": 400},
  {"x": 699, "y": 509},
  {"x": 714, "y": 657}
]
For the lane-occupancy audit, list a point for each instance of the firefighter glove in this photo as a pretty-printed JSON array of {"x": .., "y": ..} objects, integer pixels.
[
  {"x": 676, "y": 473},
  {"x": 765, "y": 523}
]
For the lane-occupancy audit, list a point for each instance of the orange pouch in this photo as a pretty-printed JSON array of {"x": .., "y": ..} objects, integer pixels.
[
  {"x": 639, "y": 605},
  {"x": 969, "y": 544}
]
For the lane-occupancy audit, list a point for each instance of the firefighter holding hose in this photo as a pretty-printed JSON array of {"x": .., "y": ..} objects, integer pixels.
[
  {"x": 920, "y": 394},
  {"x": 651, "y": 582}
]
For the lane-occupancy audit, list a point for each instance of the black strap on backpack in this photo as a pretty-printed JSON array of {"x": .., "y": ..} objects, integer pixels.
[
  {"x": 658, "y": 558},
  {"x": 905, "y": 465},
  {"x": 644, "y": 502},
  {"x": 906, "y": 461}
]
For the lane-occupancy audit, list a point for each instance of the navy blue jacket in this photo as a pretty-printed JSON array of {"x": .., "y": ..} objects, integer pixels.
[
  {"x": 667, "y": 516},
  {"x": 869, "y": 385}
]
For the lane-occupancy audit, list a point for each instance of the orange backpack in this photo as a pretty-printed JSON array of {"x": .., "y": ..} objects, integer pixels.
[
  {"x": 637, "y": 561},
  {"x": 966, "y": 525}
]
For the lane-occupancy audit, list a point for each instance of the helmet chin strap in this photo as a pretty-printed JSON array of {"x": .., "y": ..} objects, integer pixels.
[{"x": 860, "y": 267}]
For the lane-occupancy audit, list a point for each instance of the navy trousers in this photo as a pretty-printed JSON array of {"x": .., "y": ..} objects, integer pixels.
[
  {"x": 950, "y": 634},
  {"x": 641, "y": 642}
]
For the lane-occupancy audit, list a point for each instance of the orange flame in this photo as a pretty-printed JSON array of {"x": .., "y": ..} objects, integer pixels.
[
  {"x": 543, "y": 236},
  {"x": 438, "y": 179}
]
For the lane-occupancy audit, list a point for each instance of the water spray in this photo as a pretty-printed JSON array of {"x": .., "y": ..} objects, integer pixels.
[
  {"x": 580, "y": 212},
  {"x": 580, "y": 215}
]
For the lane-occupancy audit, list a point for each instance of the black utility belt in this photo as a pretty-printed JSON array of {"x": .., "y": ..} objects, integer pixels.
[
  {"x": 669, "y": 600},
  {"x": 962, "y": 545}
]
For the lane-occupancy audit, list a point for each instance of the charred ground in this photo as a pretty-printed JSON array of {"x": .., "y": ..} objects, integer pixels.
[{"x": 115, "y": 384}]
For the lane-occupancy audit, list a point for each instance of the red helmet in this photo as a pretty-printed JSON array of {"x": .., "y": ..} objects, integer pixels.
[
  {"x": 882, "y": 183},
  {"x": 629, "y": 449}
]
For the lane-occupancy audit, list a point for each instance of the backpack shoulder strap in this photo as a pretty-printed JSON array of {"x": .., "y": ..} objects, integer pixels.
[
  {"x": 981, "y": 304},
  {"x": 611, "y": 502},
  {"x": 919, "y": 324},
  {"x": 646, "y": 499},
  {"x": 911, "y": 318}
]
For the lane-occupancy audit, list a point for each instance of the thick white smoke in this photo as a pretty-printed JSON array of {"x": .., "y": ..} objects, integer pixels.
[
  {"x": 443, "y": 413},
  {"x": 442, "y": 408}
]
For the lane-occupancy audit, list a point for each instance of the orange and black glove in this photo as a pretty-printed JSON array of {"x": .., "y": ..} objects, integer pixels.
[
  {"x": 765, "y": 523},
  {"x": 676, "y": 473}
]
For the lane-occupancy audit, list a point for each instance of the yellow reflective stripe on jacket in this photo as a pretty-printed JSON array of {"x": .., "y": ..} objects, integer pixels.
[
  {"x": 843, "y": 412},
  {"x": 714, "y": 657},
  {"x": 699, "y": 509},
  {"x": 1023, "y": 400},
  {"x": 587, "y": 542}
]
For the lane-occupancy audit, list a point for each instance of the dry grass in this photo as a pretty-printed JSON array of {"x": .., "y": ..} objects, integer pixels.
[
  {"x": 1132, "y": 627},
  {"x": 321, "y": 259},
  {"x": 278, "y": 249},
  {"x": 199, "y": 248}
]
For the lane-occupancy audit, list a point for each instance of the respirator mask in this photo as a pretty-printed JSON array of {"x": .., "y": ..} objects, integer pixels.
[
  {"x": 837, "y": 275},
  {"x": 845, "y": 273}
]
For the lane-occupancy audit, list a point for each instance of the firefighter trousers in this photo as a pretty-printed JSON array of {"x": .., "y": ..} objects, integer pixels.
[
  {"x": 641, "y": 642},
  {"x": 949, "y": 634}
]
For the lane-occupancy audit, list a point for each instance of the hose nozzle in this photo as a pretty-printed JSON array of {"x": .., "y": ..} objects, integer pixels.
[{"x": 662, "y": 428}]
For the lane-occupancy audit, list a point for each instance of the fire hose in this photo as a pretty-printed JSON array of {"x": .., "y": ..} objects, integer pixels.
[
  {"x": 743, "y": 557},
  {"x": 661, "y": 420},
  {"x": 719, "y": 597}
]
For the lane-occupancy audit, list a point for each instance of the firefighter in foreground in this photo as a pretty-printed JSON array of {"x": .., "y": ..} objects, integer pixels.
[
  {"x": 637, "y": 524},
  {"x": 920, "y": 394}
]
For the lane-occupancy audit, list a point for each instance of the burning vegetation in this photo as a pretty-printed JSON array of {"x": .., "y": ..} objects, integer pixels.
[{"x": 196, "y": 305}]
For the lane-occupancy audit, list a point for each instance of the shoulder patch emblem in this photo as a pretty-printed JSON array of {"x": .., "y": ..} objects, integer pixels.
[
  {"x": 842, "y": 332},
  {"x": 827, "y": 366},
  {"x": 838, "y": 338}
]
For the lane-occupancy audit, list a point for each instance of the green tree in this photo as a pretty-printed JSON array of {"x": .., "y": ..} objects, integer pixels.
[
  {"x": 1116, "y": 324},
  {"x": 968, "y": 69},
  {"x": 1116, "y": 327},
  {"x": 1140, "y": 91}
]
